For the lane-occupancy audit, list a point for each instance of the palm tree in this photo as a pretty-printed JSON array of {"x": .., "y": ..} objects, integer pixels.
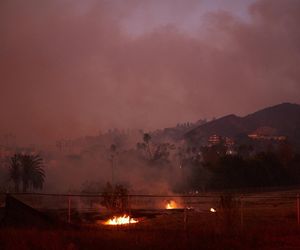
[
  {"x": 15, "y": 171},
  {"x": 33, "y": 174},
  {"x": 27, "y": 169}
]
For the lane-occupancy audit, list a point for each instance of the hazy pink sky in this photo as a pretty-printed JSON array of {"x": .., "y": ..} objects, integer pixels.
[{"x": 71, "y": 68}]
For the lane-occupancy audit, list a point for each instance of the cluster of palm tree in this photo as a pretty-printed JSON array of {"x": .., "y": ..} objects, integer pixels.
[{"x": 26, "y": 170}]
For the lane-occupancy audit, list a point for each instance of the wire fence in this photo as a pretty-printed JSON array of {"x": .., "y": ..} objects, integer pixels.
[{"x": 273, "y": 208}]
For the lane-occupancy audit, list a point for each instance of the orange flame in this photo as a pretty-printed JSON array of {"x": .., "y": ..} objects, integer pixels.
[
  {"x": 171, "y": 205},
  {"x": 120, "y": 220},
  {"x": 213, "y": 210}
]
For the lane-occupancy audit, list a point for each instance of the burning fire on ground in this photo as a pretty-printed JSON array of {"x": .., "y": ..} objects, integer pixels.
[
  {"x": 171, "y": 204},
  {"x": 212, "y": 210},
  {"x": 120, "y": 220}
]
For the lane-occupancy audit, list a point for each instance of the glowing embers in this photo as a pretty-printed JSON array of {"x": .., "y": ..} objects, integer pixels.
[
  {"x": 120, "y": 220},
  {"x": 171, "y": 204},
  {"x": 212, "y": 210}
]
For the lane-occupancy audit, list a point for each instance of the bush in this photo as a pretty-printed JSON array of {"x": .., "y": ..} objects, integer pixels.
[
  {"x": 229, "y": 211},
  {"x": 115, "y": 198}
]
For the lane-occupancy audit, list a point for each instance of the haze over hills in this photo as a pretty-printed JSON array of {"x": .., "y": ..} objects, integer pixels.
[{"x": 282, "y": 119}]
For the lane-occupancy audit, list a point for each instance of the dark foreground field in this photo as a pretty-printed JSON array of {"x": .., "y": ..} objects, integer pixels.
[
  {"x": 261, "y": 221},
  {"x": 164, "y": 232}
]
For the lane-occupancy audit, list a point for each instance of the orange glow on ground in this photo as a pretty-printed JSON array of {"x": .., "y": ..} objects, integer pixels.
[
  {"x": 120, "y": 220},
  {"x": 171, "y": 205}
]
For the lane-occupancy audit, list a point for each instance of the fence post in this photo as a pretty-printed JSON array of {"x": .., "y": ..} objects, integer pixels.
[
  {"x": 69, "y": 209},
  {"x": 185, "y": 218},
  {"x": 129, "y": 204},
  {"x": 298, "y": 209},
  {"x": 242, "y": 212}
]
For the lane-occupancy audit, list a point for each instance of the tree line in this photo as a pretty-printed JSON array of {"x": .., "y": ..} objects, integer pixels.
[{"x": 198, "y": 168}]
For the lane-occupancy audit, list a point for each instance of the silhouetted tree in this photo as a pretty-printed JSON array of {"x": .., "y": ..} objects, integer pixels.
[
  {"x": 115, "y": 197},
  {"x": 147, "y": 139},
  {"x": 113, "y": 155},
  {"x": 27, "y": 169},
  {"x": 33, "y": 174},
  {"x": 285, "y": 153},
  {"x": 245, "y": 150},
  {"x": 15, "y": 171},
  {"x": 162, "y": 152}
]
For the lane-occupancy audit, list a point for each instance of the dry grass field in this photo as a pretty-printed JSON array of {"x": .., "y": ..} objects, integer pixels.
[
  {"x": 263, "y": 221},
  {"x": 166, "y": 234}
]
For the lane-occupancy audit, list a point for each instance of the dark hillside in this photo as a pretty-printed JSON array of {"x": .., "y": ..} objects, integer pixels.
[{"x": 284, "y": 119}]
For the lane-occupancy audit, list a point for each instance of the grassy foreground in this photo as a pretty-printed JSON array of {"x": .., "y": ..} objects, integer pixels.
[
  {"x": 159, "y": 233},
  {"x": 264, "y": 221}
]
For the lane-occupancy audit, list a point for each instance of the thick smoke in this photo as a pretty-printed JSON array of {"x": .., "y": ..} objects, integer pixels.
[
  {"x": 91, "y": 169},
  {"x": 70, "y": 68}
]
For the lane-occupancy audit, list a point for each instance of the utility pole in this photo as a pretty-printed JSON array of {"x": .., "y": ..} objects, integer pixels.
[{"x": 113, "y": 151}]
